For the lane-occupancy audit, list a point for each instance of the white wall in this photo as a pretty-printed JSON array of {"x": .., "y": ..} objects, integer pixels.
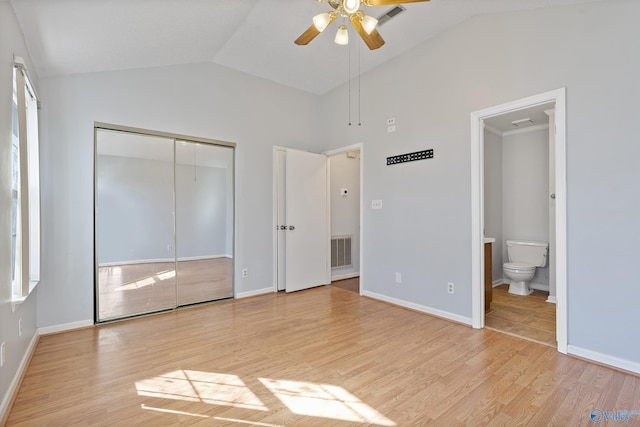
[
  {"x": 135, "y": 210},
  {"x": 200, "y": 100},
  {"x": 134, "y": 216},
  {"x": 201, "y": 212},
  {"x": 493, "y": 199},
  {"x": 525, "y": 189},
  {"x": 11, "y": 42},
  {"x": 424, "y": 227},
  {"x": 345, "y": 210}
]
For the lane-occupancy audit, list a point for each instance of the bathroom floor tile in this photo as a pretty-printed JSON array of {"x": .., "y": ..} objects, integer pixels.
[
  {"x": 529, "y": 316},
  {"x": 543, "y": 324}
]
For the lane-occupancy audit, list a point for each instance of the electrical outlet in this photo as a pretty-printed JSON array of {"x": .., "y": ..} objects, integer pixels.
[
  {"x": 245, "y": 272},
  {"x": 391, "y": 121},
  {"x": 450, "y": 287},
  {"x": 2, "y": 355},
  {"x": 20, "y": 327},
  {"x": 391, "y": 129},
  {"x": 398, "y": 277}
]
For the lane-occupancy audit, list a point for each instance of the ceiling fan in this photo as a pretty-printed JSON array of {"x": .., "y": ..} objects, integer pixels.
[{"x": 364, "y": 24}]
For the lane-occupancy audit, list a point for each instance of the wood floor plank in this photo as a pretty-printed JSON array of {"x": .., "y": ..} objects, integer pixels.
[{"x": 324, "y": 356}]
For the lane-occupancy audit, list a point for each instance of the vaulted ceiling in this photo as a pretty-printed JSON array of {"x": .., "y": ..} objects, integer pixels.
[{"x": 252, "y": 36}]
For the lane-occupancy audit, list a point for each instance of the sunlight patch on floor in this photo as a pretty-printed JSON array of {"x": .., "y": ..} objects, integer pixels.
[
  {"x": 250, "y": 423},
  {"x": 164, "y": 275},
  {"x": 171, "y": 411},
  {"x": 137, "y": 284},
  {"x": 197, "y": 386},
  {"x": 302, "y": 398},
  {"x": 324, "y": 400},
  {"x": 147, "y": 281}
]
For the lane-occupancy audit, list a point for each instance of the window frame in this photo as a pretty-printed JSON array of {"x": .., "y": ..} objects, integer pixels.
[{"x": 25, "y": 177}]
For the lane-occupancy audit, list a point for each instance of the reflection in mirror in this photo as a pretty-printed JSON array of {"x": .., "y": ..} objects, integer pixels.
[
  {"x": 204, "y": 222},
  {"x": 148, "y": 258},
  {"x": 134, "y": 224}
]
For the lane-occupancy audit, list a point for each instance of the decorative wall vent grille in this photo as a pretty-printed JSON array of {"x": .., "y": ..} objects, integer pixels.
[
  {"x": 391, "y": 13},
  {"x": 341, "y": 251}
]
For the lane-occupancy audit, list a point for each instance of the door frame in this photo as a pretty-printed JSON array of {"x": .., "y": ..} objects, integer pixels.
[
  {"x": 354, "y": 147},
  {"x": 275, "y": 204},
  {"x": 360, "y": 148},
  {"x": 557, "y": 96}
]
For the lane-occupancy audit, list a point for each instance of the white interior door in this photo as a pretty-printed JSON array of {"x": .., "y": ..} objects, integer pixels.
[{"x": 307, "y": 220}]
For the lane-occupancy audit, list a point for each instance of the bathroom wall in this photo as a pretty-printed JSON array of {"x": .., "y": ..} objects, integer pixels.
[
  {"x": 493, "y": 199},
  {"x": 345, "y": 210},
  {"x": 525, "y": 200}
]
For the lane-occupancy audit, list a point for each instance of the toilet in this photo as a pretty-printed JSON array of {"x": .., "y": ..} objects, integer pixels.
[{"x": 524, "y": 257}]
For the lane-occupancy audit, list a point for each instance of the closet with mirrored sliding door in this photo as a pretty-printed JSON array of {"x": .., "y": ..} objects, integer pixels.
[{"x": 164, "y": 221}]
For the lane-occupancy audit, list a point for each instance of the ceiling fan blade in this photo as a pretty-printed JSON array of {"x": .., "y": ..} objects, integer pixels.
[
  {"x": 373, "y": 40},
  {"x": 389, "y": 2},
  {"x": 312, "y": 32}
]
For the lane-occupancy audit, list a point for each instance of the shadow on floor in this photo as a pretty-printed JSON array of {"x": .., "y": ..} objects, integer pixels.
[{"x": 352, "y": 285}]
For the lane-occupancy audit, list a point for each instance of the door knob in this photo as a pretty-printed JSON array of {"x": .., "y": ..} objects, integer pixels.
[
  {"x": 291, "y": 227},
  {"x": 553, "y": 195}
]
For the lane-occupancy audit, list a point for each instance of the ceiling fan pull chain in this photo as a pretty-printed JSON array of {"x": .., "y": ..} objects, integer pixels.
[
  {"x": 349, "y": 80},
  {"x": 359, "y": 122}
]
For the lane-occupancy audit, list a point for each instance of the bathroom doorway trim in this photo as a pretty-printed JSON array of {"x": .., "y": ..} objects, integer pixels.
[{"x": 557, "y": 96}]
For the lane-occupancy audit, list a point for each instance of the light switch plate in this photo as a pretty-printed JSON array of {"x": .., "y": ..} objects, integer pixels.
[{"x": 376, "y": 204}]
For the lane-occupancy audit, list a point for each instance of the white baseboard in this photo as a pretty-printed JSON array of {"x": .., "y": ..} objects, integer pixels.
[
  {"x": 155, "y": 260},
  {"x": 498, "y": 282},
  {"x": 552, "y": 299},
  {"x": 15, "y": 382},
  {"x": 345, "y": 276},
  {"x": 254, "y": 293},
  {"x": 605, "y": 359},
  {"x": 65, "y": 327},
  {"x": 423, "y": 308}
]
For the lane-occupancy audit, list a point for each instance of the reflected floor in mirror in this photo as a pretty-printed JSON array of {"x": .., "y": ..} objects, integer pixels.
[
  {"x": 529, "y": 316},
  {"x": 126, "y": 290}
]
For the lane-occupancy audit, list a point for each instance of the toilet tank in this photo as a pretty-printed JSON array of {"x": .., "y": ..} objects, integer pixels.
[{"x": 530, "y": 252}]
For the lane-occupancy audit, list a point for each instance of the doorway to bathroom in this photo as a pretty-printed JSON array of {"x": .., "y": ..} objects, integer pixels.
[{"x": 519, "y": 193}]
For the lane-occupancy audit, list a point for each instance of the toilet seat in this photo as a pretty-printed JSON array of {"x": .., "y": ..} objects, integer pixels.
[{"x": 518, "y": 266}]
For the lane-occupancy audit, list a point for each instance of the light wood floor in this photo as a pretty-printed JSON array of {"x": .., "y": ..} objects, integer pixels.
[
  {"x": 320, "y": 357},
  {"x": 126, "y": 290},
  {"x": 529, "y": 316}
]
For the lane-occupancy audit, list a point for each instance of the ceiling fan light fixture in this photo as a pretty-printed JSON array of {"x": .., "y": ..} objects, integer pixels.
[
  {"x": 369, "y": 23},
  {"x": 321, "y": 21},
  {"x": 342, "y": 36},
  {"x": 350, "y": 6}
]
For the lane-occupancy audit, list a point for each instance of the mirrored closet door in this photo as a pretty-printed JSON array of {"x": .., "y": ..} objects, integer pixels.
[
  {"x": 204, "y": 222},
  {"x": 163, "y": 222}
]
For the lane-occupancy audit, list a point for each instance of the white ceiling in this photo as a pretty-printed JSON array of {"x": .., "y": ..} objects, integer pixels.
[{"x": 253, "y": 36}]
